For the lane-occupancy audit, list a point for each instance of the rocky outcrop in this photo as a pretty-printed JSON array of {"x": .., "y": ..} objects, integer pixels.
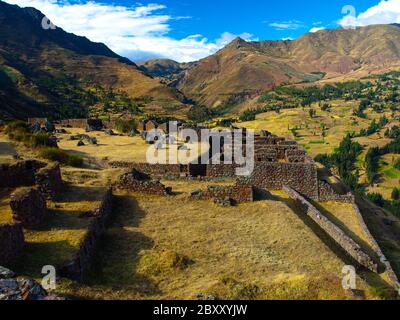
[
  {"x": 28, "y": 207},
  {"x": 12, "y": 242}
]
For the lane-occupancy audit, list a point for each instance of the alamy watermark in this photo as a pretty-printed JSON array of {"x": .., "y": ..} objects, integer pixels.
[{"x": 202, "y": 146}]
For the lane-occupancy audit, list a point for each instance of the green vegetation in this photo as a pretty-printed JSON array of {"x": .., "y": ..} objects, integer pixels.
[
  {"x": 54, "y": 154},
  {"x": 199, "y": 114},
  {"x": 126, "y": 126}
]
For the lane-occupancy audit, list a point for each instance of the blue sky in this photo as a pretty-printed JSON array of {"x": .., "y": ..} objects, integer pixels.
[{"x": 187, "y": 30}]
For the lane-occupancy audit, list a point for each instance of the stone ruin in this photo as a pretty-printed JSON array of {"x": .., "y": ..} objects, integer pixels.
[
  {"x": 278, "y": 163},
  {"x": 77, "y": 267},
  {"x": 12, "y": 242},
  {"x": 29, "y": 207},
  {"x": 238, "y": 193},
  {"x": 137, "y": 181},
  {"x": 49, "y": 180},
  {"x": 32, "y": 172},
  {"x": 21, "y": 173},
  {"x": 21, "y": 288}
]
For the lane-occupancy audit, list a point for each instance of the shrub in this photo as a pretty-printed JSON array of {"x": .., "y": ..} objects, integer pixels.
[
  {"x": 75, "y": 161},
  {"x": 396, "y": 194},
  {"x": 397, "y": 164},
  {"x": 54, "y": 154},
  {"x": 199, "y": 114},
  {"x": 126, "y": 126},
  {"x": 16, "y": 125},
  {"x": 39, "y": 139}
]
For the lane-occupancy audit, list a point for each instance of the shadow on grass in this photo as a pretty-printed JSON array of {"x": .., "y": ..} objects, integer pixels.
[
  {"x": 115, "y": 263},
  {"x": 370, "y": 277},
  {"x": 37, "y": 255}
]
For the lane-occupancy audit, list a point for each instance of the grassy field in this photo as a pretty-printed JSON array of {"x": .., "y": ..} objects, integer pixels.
[
  {"x": 339, "y": 121},
  {"x": 118, "y": 148},
  {"x": 176, "y": 248},
  {"x": 57, "y": 240}
]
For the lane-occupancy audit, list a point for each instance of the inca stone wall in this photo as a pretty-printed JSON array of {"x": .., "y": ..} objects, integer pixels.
[
  {"x": 274, "y": 176},
  {"x": 239, "y": 193},
  {"x": 337, "y": 234},
  {"x": 74, "y": 123},
  {"x": 29, "y": 207},
  {"x": 11, "y": 243},
  {"x": 77, "y": 268},
  {"x": 136, "y": 181},
  {"x": 21, "y": 173},
  {"x": 158, "y": 170},
  {"x": 327, "y": 193},
  {"x": 49, "y": 180}
]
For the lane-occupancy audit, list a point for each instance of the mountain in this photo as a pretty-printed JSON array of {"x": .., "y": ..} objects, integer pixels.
[
  {"x": 243, "y": 70},
  {"x": 54, "y": 73}
]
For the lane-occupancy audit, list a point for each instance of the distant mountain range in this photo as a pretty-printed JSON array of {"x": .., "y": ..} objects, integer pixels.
[
  {"x": 245, "y": 69},
  {"x": 52, "y": 72}
]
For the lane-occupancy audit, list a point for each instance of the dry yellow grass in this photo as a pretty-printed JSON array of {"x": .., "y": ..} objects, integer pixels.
[
  {"x": 175, "y": 248},
  {"x": 57, "y": 240},
  {"x": 119, "y": 148},
  {"x": 7, "y": 150}
]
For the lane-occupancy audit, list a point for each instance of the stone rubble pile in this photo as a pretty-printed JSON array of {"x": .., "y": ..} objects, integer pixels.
[{"x": 21, "y": 288}]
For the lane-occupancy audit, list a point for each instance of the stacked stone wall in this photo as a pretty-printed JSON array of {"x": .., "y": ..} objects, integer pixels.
[
  {"x": 77, "y": 268},
  {"x": 11, "y": 243},
  {"x": 327, "y": 193},
  {"x": 49, "y": 180},
  {"x": 239, "y": 193},
  {"x": 130, "y": 182},
  {"x": 21, "y": 173},
  {"x": 28, "y": 207},
  {"x": 337, "y": 234}
]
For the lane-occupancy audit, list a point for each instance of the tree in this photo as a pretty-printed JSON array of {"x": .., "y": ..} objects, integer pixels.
[{"x": 396, "y": 194}]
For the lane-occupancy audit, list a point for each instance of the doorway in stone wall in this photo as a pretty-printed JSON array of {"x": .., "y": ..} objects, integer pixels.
[{"x": 197, "y": 170}]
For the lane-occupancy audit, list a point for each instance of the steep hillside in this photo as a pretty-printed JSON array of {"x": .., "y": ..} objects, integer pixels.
[
  {"x": 52, "y": 72},
  {"x": 244, "y": 69}
]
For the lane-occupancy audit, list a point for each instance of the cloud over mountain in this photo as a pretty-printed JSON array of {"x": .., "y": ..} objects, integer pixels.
[{"x": 139, "y": 32}]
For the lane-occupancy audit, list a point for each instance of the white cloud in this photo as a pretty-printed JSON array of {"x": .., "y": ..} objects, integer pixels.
[
  {"x": 384, "y": 12},
  {"x": 316, "y": 29},
  {"x": 287, "y": 25},
  {"x": 139, "y": 32}
]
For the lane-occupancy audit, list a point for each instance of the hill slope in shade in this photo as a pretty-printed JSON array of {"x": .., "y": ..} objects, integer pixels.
[
  {"x": 244, "y": 69},
  {"x": 52, "y": 72}
]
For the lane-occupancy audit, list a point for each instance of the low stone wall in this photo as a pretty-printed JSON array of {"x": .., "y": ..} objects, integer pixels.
[
  {"x": 221, "y": 170},
  {"x": 337, "y": 234},
  {"x": 12, "y": 242},
  {"x": 327, "y": 193},
  {"x": 158, "y": 170},
  {"x": 74, "y": 123},
  {"x": 21, "y": 173},
  {"x": 49, "y": 180},
  {"x": 239, "y": 193},
  {"x": 136, "y": 181},
  {"x": 29, "y": 207},
  {"x": 76, "y": 268}
]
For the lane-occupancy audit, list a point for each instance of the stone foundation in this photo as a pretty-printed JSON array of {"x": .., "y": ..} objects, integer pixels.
[
  {"x": 11, "y": 243},
  {"x": 21, "y": 173},
  {"x": 77, "y": 268},
  {"x": 238, "y": 193},
  {"x": 136, "y": 181},
  {"x": 337, "y": 234},
  {"x": 327, "y": 193},
  {"x": 29, "y": 207},
  {"x": 49, "y": 181}
]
